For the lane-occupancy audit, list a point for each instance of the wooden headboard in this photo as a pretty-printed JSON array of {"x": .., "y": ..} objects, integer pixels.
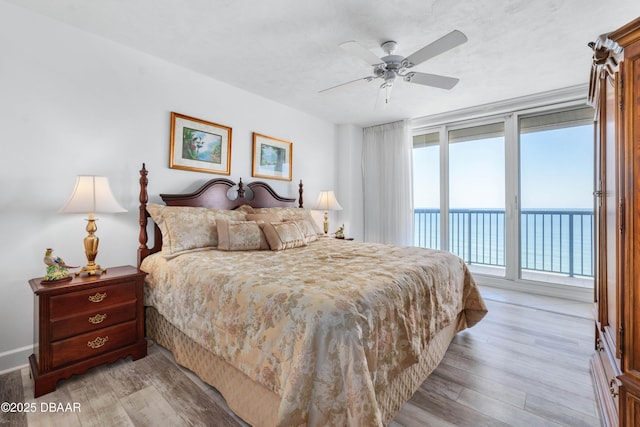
[{"x": 213, "y": 194}]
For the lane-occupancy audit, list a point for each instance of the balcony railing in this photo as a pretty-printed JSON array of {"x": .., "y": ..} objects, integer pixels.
[{"x": 552, "y": 241}]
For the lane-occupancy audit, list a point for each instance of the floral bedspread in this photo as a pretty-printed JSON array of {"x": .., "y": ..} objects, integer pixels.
[{"x": 323, "y": 326}]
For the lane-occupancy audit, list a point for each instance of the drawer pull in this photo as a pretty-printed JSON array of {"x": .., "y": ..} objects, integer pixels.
[
  {"x": 98, "y": 342},
  {"x": 599, "y": 346},
  {"x": 97, "y": 297},
  {"x": 98, "y": 318},
  {"x": 612, "y": 389}
]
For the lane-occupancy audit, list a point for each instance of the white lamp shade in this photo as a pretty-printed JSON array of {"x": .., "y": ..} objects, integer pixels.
[
  {"x": 327, "y": 202},
  {"x": 92, "y": 194}
]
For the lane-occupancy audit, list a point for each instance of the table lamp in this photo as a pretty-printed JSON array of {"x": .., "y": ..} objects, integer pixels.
[
  {"x": 92, "y": 195},
  {"x": 327, "y": 202}
]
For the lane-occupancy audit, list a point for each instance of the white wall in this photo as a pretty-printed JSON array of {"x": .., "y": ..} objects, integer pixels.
[
  {"x": 72, "y": 103},
  {"x": 349, "y": 190}
]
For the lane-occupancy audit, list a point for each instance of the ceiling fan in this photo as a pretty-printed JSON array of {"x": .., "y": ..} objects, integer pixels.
[{"x": 391, "y": 67}]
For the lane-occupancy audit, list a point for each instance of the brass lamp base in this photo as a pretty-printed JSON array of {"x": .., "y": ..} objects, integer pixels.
[
  {"x": 326, "y": 222},
  {"x": 91, "y": 250},
  {"x": 91, "y": 270}
]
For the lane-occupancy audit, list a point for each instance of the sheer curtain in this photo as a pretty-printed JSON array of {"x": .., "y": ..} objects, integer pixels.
[{"x": 387, "y": 181}]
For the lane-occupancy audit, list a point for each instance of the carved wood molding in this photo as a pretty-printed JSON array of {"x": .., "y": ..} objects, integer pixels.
[
  {"x": 607, "y": 55},
  {"x": 628, "y": 34}
]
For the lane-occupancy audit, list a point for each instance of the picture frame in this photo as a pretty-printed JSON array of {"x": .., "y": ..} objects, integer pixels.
[
  {"x": 199, "y": 146},
  {"x": 272, "y": 157}
]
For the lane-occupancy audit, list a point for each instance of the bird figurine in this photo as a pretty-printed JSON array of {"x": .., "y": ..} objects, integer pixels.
[
  {"x": 55, "y": 261},
  {"x": 57, "y": 269}
]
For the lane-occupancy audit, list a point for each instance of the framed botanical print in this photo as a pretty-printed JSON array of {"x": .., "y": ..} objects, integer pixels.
[
  {"x": 200, "y": 146},
  {"x": 271, "y": 157}
]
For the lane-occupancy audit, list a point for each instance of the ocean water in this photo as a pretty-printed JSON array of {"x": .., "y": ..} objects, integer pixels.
[{"x": 555, "y": 241}]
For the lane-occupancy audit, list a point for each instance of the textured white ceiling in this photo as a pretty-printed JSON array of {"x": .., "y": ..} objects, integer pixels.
[{"x": 287, "y": 50}]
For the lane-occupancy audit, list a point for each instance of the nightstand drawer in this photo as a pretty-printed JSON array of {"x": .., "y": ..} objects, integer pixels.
[
  {"x": 91, "y": 320},
  {"x": 93, "y": 299},
  {"x": 92, "y": 343}
]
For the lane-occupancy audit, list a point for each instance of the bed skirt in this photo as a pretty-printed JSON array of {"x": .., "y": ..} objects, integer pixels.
[{"x": 257, "y": 405}]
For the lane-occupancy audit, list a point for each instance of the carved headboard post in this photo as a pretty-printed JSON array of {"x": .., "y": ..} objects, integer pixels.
[
  {"x": 300, "y": 201},
  {"x": 144, "y": 198},
  {"x": 240, "y": 189}
]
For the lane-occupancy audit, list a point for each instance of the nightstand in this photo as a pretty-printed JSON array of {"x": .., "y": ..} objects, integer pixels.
[{"x": 86, "y": 322}]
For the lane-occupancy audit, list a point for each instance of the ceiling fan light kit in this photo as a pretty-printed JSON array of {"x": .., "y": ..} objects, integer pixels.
[{"x": 390, "y": 67}]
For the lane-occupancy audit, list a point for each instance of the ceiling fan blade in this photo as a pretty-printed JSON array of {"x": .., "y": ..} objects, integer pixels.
[
  {"x": 435, "y": 80},
  {"x": 368, "y": 78},
  {"x": 449, "y": 41},
  {"x": 356, "y": 49}
]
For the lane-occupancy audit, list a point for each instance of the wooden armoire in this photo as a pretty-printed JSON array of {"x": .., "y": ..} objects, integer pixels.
[{"x": 614, "y": 91}]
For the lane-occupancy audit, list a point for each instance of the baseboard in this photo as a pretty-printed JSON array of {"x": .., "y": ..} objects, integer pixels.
[
  {"x": 574, "y": 293},
  {"x": 15, "y": 359}
]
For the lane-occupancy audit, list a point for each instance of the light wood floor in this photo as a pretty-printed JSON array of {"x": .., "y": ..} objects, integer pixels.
[{"x": 520, "y": 366}]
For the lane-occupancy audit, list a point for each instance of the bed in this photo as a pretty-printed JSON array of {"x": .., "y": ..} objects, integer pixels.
[{"x": 294, "y": 328}]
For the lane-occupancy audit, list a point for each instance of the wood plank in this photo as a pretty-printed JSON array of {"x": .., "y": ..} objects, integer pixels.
[
  {"x": 147, "y": 407},
  {"x": 536, "y": 383},
  {"x": 100, "y": 405},
  {"x": 11, "y": 392},
  {"x": 563, "y": 415},
  {"x": 530, "y": 361},
  {"x": 186, "y": 398},
  {"x": 47, "y": 418},
  {"x": 519, "y": 366},
  {"x": 508, "y": 394},
  {"x": 211, "y": 392},
  {"x": 126, "y": 377},
  {"x": 451, "y": 411},
  {"x": 504, "y": 412},
  {"x": 413, "y": 416}
]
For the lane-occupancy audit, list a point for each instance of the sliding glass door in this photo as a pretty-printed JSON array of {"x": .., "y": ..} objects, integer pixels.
[
  {"x": 426, "y": 196},
  {"x": 510, "y": 196},
  {"x": 556, "y": 185},
  {"x": 476, "y": 196}
]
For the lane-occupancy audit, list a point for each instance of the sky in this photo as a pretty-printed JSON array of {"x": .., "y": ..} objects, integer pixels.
[{"x": 556, "y": 171}]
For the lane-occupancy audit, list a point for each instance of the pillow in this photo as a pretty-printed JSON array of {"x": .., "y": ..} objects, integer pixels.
[
  {"x": 305, "y": 226},
  {"x": 185, "y": 228},
  {"x": 283, "y": 235},
  {"x": 291, "y": 213},
  {"x": 240, "y": 236},
  {"x": 267, "y": 217},
  {"x": 245, "y": 208},
  {"x": 307, "y": 230}
]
